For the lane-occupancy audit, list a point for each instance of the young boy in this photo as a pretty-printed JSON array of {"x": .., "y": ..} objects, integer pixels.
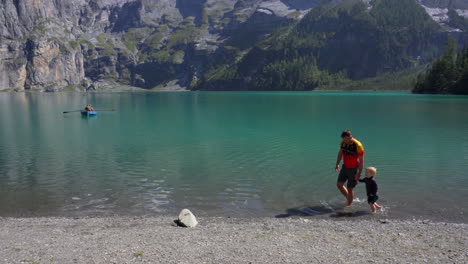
[{"x": 371, "y": 188}]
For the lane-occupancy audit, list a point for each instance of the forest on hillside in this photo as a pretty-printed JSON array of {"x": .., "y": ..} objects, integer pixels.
[{"x": 447, "y": 74}]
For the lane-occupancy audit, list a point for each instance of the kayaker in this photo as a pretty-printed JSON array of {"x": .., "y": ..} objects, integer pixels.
[{"x": 89, "y": 108}]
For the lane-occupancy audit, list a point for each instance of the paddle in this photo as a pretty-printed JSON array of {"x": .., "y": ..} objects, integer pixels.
[
  {"x": 94, "y": 110},
  {"x": 105, "y": 109}
]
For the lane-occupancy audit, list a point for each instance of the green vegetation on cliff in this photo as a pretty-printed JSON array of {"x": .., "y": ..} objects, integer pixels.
[{"x": 157, "y": 48}]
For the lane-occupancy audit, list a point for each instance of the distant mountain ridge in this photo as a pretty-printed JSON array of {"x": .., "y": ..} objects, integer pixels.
[{"x": 178, "y": 44}]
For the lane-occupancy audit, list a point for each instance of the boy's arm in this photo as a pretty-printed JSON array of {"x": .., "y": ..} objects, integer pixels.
[
  {"x": 374, "y": 188},
  {"x": 338, "y": 160}
]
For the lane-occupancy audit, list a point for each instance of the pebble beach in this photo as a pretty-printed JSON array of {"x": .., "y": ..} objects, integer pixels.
[{"x": 156, "y": 239}]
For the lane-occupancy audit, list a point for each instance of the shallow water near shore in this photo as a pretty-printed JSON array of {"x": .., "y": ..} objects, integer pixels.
[{"x": 230, "y": 154}]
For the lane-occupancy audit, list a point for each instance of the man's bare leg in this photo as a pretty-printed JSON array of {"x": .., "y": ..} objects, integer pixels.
[
  {"x": 342, "y": 189},
  {"x": 372, "y": 206},
  {"x": 350, "y": 196},
  {"x": 377, "y": 206}
]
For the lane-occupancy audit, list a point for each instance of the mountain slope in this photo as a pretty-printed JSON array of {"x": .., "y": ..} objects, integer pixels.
[
  {"x": 349, "y": 39},
  {"x": 214, "y": 44}
]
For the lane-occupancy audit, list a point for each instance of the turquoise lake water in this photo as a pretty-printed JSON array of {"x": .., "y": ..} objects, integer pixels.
[{"x": 230, "y": 154}]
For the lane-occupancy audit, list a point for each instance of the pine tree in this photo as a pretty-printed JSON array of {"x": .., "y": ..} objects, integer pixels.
[{"x": 446, "y": 75}]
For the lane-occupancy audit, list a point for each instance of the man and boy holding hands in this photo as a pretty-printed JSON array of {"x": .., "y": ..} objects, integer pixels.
[{"x": 352, "y": 153}]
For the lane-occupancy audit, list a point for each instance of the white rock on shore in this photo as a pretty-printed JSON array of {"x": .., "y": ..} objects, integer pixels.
[{"x": 187, "y": 219}]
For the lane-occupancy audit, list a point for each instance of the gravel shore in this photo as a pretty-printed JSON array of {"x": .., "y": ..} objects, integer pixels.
[{"x": 230, "y": 240}]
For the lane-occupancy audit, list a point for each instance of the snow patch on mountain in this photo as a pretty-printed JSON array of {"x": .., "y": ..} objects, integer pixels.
[
  {"x": 275, "y": 7},
  {"x": 440, "y": 15},
  {"x": 462, "y": 12}
]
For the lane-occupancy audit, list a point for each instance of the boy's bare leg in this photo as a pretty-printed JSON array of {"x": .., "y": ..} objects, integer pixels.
[
  {"x": 378, "y": 206},
  {"x": 372, "y": 206}
]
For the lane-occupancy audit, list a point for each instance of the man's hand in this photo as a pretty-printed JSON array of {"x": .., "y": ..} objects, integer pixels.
[
  {"x": 357, "y": 177},
  {"x": 338, "y": 160}
]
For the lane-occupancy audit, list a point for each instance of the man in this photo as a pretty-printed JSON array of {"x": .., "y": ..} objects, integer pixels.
[
  {"x": 89, "y": 108},
  {"x": 352, "y": 153}
]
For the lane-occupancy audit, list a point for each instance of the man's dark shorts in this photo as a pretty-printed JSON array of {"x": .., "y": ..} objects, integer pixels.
[
  {"x": 347, "y": 174},
  {"x": 372, "y": 199}
]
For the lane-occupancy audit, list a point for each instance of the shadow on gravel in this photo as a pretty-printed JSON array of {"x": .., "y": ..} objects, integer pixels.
[
  {"x": 320, "y": 211},
  {"x": 306, "y": 211},
  {"x": 349, "y": 214}
]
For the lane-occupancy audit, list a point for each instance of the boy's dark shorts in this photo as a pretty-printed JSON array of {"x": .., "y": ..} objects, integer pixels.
[
  {"x": 347, "y": 174},
  {"x": 372, "y": 199}
]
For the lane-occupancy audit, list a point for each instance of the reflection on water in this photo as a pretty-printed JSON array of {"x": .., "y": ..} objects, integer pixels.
[
  {"x": 89, "y": 117},
  {"x": 243, "y": 154}
]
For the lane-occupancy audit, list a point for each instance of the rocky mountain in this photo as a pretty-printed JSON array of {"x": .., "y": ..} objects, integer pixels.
[
  {"x": 452, "y": 4},
  {"x": 448, "y": 13},
  {"x": 153, "y": 44}
]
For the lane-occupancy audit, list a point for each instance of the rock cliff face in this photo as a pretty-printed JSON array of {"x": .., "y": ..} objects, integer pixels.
[
  {"x": 40, "y": 41},
  {"x": 454, "y": 4},
  {"x": 439, "y": 10},
  {"x": 51, "y": 44}
]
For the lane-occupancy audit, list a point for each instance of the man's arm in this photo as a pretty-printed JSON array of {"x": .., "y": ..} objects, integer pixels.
[
  {"x": 338, "y": 160},
  {"x": 361, "y": 167}
]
